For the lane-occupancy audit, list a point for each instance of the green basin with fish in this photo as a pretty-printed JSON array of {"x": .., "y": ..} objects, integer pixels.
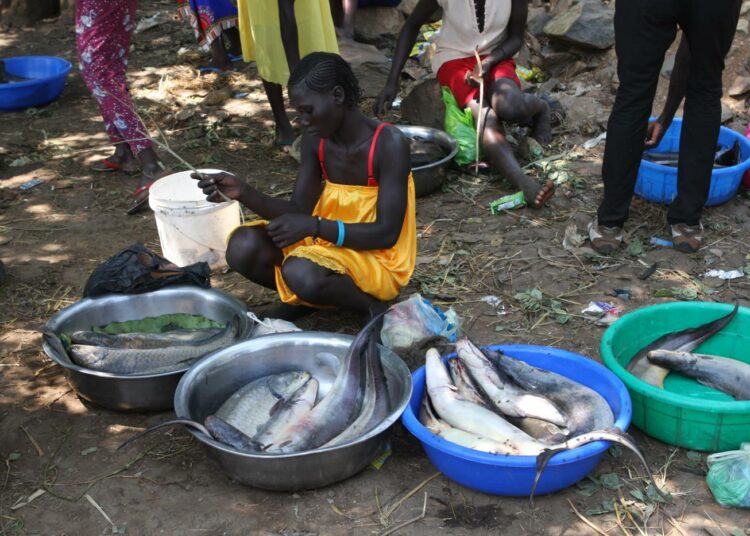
[{"x": 684, "y": 413}]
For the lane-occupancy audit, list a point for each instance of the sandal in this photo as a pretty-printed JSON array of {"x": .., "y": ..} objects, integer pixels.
[
  {"x": 687, "y": 238},
  {"x": 604, "y": 240},
  {"x": 141, "y": 201},
  {"x": 108, "y": 166}
]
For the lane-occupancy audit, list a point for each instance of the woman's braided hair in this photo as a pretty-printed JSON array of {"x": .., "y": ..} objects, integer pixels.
[{"x": 323, "y": 71}]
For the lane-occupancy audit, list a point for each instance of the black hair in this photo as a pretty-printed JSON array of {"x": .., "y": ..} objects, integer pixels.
[{"x": 323, "y": 71}]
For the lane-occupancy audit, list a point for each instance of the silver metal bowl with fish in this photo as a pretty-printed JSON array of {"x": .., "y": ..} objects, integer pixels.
[
  {"x": 431, "y": 152},
  {"x": 205, "y": 387},
  {"x": 141, "y": 392}
]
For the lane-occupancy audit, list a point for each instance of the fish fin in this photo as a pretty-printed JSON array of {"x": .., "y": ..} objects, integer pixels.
[
  {"x": 54, "y": 341},
  {"x": 541, "y": 462},
  {"x": 172, "y": 422}
]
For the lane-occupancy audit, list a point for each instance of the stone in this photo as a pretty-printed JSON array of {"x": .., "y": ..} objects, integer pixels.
[
  {"x": 407, "y": 6},
  {"x": 372, "y": 22},
  {"x": 217, "y": 97},
  {"x": 742, "y": 25},
  {"x": 372, "y": 78},
  {"x": 726, "y": 113},
  {"x": 586, "y": 24},
  {"x": 424, "y": 105},
  {"x": 356, "y": 53},
  {"x": 537, "y": 18},
  {"x": 740, "y": 86},
  {"x": 605, "y": 75},
  {"x": 549, "y": 85},
  {"x": 745, "y": 8},
  {"x": 668, "y": 65}
]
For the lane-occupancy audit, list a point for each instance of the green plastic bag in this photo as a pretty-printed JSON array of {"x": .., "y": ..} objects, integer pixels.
[
  {"x": 460, "y": 124},
  {"x": 729, "y": 477}
]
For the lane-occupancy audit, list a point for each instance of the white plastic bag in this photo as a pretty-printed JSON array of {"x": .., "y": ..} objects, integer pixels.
[
  {"x": 415, "y": 319},
  {"x": 270, "y": 325},
  {"x": 729, "y": 477}
]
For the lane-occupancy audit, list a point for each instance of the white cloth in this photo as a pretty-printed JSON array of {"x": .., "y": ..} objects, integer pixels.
[{"x": 459, "y": 34}]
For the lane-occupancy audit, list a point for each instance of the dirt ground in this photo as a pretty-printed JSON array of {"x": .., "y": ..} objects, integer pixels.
[{"x": 52, "y": 236}]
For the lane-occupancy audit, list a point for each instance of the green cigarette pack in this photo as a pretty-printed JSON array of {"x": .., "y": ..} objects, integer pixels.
[{"x": 507, "y": 202}]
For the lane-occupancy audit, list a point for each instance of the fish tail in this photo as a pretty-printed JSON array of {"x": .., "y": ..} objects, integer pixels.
[
  {"x": 541, "y": 462},
  {"x": 172, "y": 422}
]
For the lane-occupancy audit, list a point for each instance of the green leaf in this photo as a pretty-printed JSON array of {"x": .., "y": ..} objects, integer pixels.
[
  {"x": 616, "y": 451},
  {"x": 605, "y": 508},
  {"x": 654, "y": 495},
  {"x": 90, "y": 450},
  {"x": 13, "y": 456},
  {"x": 610, "y": 481},
  {"x": 685, "y": 293},
  {"x": 473, "y": 219},
  {"x": 562, "y": 317},
  {"x": 587, "y": 487},
  {"x": 635, "y": 248},
  {"x": 638, "y": 494},
  {"x": 499, "y": 327},
  {"x": 737, "y": 532}
]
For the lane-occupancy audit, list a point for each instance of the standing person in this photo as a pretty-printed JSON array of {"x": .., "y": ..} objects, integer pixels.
[
  {"x": 349, "y": 9},
  {"x": 347, "y": 237},
  {"x": 644, "y": 30},
  {"x": 103, "y": 31},
  {"x": 275, "y": 33},
  {"x": 212, "y": 21},
  {"x": 496, "y": 28}
]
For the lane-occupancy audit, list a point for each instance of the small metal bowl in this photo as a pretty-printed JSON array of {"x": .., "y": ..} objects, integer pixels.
[
  {"x": 208, "y": 383},
  {"x": 430, "y": 177},
  {"x": 143, "y": 392}
]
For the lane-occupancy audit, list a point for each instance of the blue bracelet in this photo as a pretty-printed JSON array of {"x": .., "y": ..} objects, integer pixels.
[{"x": 342, "y": 233}]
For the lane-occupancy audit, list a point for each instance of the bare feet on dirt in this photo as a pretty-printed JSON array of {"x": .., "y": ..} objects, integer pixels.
[{"x": 537, "y": 196}]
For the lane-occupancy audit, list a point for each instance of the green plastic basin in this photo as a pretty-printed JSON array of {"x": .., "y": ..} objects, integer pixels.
[{"x": 684, "y": 413}]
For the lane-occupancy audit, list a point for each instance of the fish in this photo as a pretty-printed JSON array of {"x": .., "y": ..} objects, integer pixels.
[
  {"x": 536, "y": 428},
  {"x": 249, "y": 408},
  {"x": 151, "y": 361},
  {"x": 456, "y": 435},
  {"x": 584, "y": 409},
  {"x": 172, "y": 422},
  {"x": 725, "y": 374},
  {"x": 375, "y": 402},
  {"x": 336, "y": 411},
  {"x": 504, "y": 395},
  {"x": 723, "y": 157},
  {"x": 143, "y": 340},
  {"x": 286, "y": 415},
  {"x": 467, "y": 416},
  {"x": 225, "y": 433},
  {"x": 685, "y": 340}
]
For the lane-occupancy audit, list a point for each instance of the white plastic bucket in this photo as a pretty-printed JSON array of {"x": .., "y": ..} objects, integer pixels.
[{"x": 190, "y": 228}]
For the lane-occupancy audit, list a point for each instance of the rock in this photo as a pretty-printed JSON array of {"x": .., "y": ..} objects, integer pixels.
[
  {"x": 424, "y": 105},
  {"x": 668, "y": 65},
  {"x": 372, "y": 22},
  {"x": 586, "y": 24},
  {"x": 549, "y": 86},
  {"x": 740, "y": 86},
  {"x": 217, "y": 97},
  {"x": 407, "y": 6},
  {"x": 372, "y": 78},
  {"x": 605, "y": 75},
  {"x": 726, "y": 113},
  {"x": 538, "y": 17},
  {"x": 358, "y": 53},
  {"x": 745, "y": 8},
  {"x": 585, "y": 112},
  {"x": 742, "y": 25}
]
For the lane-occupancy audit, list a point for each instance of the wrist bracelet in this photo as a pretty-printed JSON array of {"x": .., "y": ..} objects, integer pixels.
[{"x": 342, "y": 233}]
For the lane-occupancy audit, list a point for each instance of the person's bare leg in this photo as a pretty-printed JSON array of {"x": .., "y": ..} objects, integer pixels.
[
  {"x": 502, "y": 159},
  {"x": 233, "y": 36},
  {"x": 219, "y": 58},
  {"x": 512, "y": 104},
  {"x": 321, "y": 286},
  {"x": 284, "y": 131},
  {"x": 123, "y": 156},
  {"x": 347, "y": 25},
  {"x": 289, "y": 35}
]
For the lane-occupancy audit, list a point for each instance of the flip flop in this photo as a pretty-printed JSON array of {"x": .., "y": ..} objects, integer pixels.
[
  {"x": 140, "y": 202},
  {"x": 546, "y": 197},
  {"x": 206, "y": 70},
  {"x": 108, "y": 166},
  {"x": 235, "y": 57}
]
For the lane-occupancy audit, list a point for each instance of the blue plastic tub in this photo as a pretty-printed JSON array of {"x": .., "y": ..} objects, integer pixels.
[
  {"x": 658, "y": 183},
  {"x": 514, "y": 475},
  {"x": 47, "y": 74}
]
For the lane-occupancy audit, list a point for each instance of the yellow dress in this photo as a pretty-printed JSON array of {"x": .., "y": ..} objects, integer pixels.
[
  {"x": 260, "y": 33},
  {"x": 378, "y": 272}
]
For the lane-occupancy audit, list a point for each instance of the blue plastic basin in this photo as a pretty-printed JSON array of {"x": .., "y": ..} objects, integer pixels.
[
  {"x": 47, "y": 78},
  {"x": 513, "y": 475},
  {"x": 658, "y": 183}
]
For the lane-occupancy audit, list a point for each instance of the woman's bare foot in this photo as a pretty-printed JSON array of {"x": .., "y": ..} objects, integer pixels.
[
  {"x": 121, "y": 160},
  {"x": 537, "y": 196}
]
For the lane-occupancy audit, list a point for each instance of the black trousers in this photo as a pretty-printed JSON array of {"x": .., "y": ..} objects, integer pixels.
[{"x": 644, "y": 30}]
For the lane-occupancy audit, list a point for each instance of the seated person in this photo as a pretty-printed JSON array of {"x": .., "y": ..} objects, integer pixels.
[
  {"x": 349, "y": 9},
  {"x": 496, "y": 28},
  {"x": 347, "y": 236}
]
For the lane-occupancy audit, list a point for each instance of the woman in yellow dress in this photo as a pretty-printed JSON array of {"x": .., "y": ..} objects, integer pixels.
[
  {"x": 275, "y": 34},
  {"x": 347, "y": 236}
]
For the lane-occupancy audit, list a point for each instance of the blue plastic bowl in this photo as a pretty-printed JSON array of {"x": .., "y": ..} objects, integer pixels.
[
  {"x": 514, "y": 475},
  {"x": 658, "y": 183},
  {"x": 47, "y": 74}
]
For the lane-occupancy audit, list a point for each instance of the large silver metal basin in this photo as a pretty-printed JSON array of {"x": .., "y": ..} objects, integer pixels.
[
  {"x": 212, "y": 380},
  {"x": 147, "y": 392},
  {"x": 430, "y": 177}
]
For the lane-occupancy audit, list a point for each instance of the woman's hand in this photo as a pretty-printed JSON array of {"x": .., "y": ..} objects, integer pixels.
[
  {"x": 476, "y": 77},
  {"x": 213, "y": 183},
  {"x": 384, "y": 100},
  {"x": 290, "y": 228},
  {"x": 655, "y": 132}
]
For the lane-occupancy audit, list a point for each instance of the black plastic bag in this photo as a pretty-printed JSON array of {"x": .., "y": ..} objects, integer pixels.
[{"x": 136, "y": 269}]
